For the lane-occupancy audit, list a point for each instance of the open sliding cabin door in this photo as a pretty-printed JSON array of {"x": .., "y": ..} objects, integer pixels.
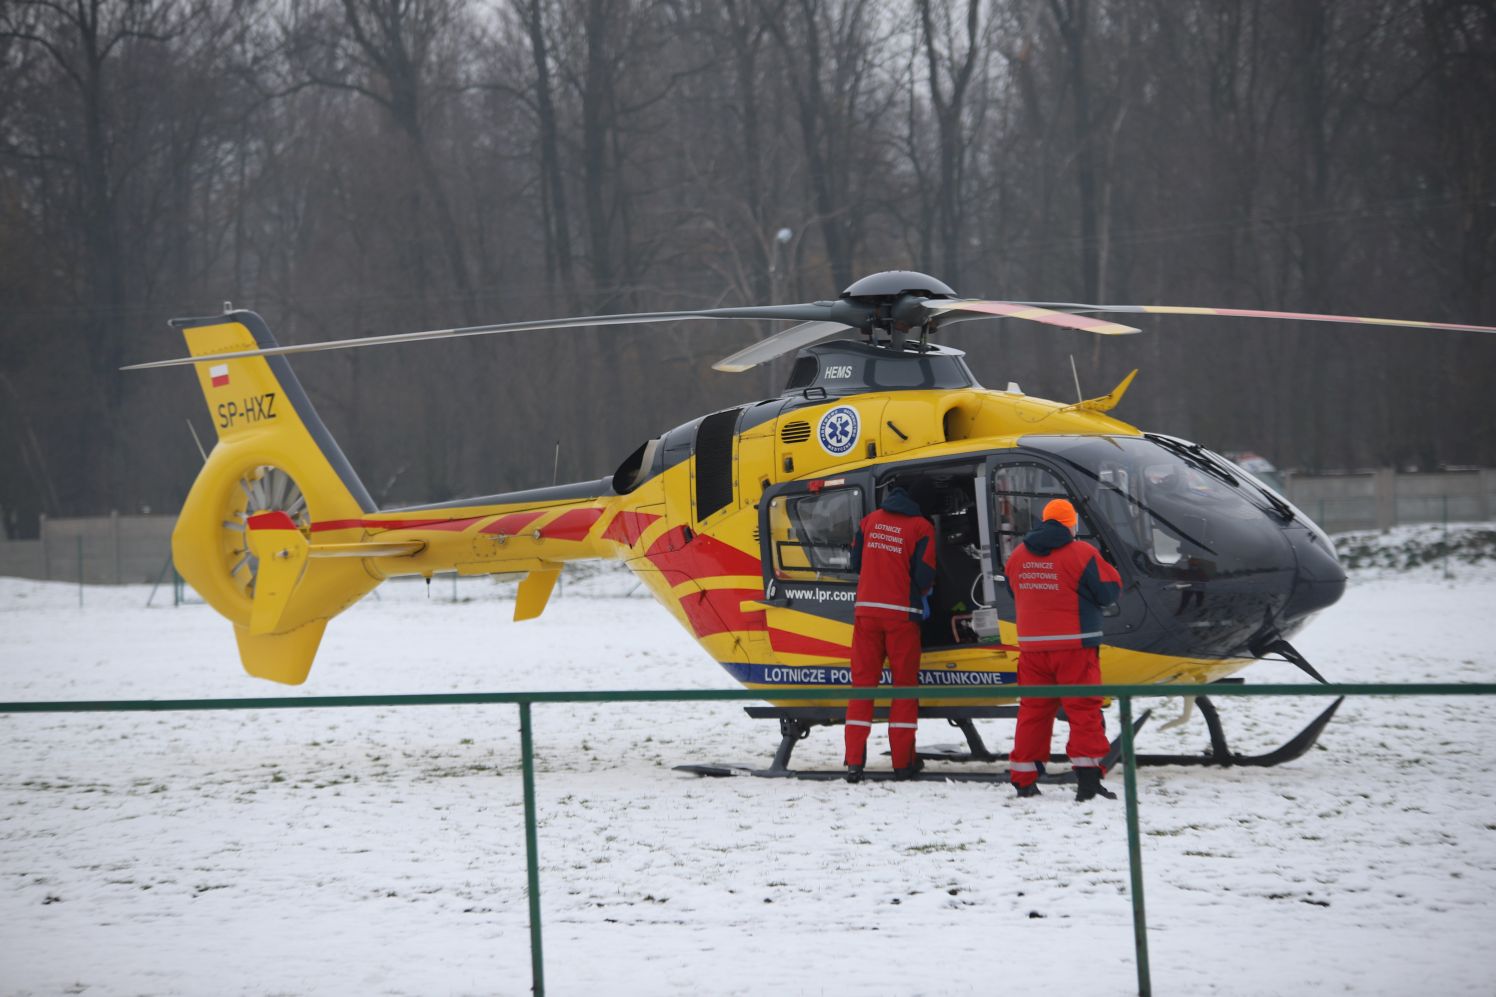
[
  {"x": 807, "y": 531},
  {"x": 1019, "y": 487}
]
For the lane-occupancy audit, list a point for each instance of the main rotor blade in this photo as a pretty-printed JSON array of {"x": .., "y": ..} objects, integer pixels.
[
  {"x": 1292, "y": 316},
  {"x": 972, "y": 308},
  {"x": 787, "y": 341},
  {"x": 804, "y": 312},
  {"x": 1073, "y": 308}
]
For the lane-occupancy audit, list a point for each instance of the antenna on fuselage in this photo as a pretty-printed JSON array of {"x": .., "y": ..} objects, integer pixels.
[
  {"x": 1079, "y": 397},
  {"x": 198, "y": 440}
]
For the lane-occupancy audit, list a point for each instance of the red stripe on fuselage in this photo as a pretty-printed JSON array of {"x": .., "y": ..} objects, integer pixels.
[
  {"x": 393, "y": 524},
  {"x": 271, "y": 521},
  {"x": 572, "y": 525},
  {"x": 511, "y": 524},
  {"x": 789, "y": 642},
  {"x": 627, "y": 527},
  {"x": 714, "y": 611},
  {"x": 700, "y": 557}
]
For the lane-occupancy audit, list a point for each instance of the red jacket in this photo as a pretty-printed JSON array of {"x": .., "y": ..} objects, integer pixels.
[
  {"x": 896, "y": 555},
  {"x": 1059, "y": 587}
]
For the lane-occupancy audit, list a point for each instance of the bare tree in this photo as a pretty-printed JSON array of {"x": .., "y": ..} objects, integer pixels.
[{"x": 957, "y": 53}]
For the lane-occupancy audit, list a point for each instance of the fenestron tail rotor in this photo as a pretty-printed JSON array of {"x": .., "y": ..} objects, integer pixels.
[{"x": 261, "y": 489}]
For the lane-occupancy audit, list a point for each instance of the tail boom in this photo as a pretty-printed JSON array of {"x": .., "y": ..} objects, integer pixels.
[{"x": 279, "y": 535}]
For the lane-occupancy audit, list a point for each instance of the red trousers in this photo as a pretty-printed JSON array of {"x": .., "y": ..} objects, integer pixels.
[
  {"x": 1088, "y": 744},
  {"x": 873, "y": 639}
]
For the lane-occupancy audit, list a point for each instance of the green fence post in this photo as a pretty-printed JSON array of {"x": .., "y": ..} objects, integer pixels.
[
  {"x": 532, "y": 850},
  {"x": 1135, "y": 850}
]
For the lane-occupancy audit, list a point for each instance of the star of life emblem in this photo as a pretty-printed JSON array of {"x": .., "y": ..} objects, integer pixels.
[{"x": 838, "y": 430}]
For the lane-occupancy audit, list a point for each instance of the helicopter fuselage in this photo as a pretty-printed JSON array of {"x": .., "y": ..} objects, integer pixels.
[{"x": 741, "y": 523}]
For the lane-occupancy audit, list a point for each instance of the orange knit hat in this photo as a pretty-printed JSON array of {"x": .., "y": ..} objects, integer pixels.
[{"x": 1062, "y": 510}]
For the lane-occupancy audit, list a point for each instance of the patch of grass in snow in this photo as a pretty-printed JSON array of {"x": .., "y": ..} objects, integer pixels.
[
  {"x": 938, "y": 846},
  {"x": 1409, "y": 548},
  {"x": 1172, "y": 832}
]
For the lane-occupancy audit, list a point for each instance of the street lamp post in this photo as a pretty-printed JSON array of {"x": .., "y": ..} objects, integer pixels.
[{"x": 781, "y": 242}]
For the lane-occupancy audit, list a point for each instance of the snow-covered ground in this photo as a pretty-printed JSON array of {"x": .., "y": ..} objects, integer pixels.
[{"x": 381, "y": 851}]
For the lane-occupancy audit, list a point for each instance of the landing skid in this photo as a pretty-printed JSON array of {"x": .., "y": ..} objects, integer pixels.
[
  {"x": 1219, "y": 753},
  {"x": 796, "y": 723}
]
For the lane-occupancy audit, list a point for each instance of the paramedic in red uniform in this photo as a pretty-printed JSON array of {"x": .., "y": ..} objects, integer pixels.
[
  {"x": 895, "y": 553},
  {"x": 1060, "y": 586}
]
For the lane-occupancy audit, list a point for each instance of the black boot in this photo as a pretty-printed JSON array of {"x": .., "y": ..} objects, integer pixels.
[
  {"x": 1088, "y": 785},
  {"x": 1032, "y": 789},
  {"x": 909, "y": 771},
  {"x": 854, "y": 773}
]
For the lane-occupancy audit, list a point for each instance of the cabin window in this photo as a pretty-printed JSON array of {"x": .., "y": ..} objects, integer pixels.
[
  {"x": 803, "y": 373},
  {"x": 905, "y": 372},
  {"x": 812, "y": 535},
  {"x": 714, "y": 462},
  {"x": 1020, "y": 493}
]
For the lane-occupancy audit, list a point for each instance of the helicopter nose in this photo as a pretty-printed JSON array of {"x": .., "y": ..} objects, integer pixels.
[{"x": 1319, "y": 581}]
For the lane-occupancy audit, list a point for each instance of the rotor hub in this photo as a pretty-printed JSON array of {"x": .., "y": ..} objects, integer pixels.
[{"x": 896, "y": 284}]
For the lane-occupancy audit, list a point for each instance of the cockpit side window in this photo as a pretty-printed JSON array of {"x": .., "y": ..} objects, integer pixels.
[
  {"x": 1173, "y": 509},
  {"x": 812, "y": 535},
  {"x": 1020, "y": 493}
]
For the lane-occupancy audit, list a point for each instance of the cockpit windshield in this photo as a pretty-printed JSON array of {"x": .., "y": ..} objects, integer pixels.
[{"x": 1179, "y": 510}]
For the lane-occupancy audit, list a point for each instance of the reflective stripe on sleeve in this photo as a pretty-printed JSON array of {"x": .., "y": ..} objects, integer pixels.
[
  {"x": 1022, "y": 639},
  {"x": 1085, "y": 763},
  {"x": 886, "y": 605},
  {"x": 1023, "y": 767}
]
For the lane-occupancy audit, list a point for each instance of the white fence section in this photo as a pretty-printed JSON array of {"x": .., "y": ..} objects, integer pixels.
[
  {"x": 1378, "y": 500},
  {"x": 109, "y": 550}
]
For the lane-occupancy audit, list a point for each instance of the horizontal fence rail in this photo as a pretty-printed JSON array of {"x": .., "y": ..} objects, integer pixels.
[
  {"x": 1124, "y": 694},
  {"x": 753, "y": 695}
]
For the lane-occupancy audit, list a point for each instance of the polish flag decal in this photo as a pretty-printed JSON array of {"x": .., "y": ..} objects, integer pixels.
[{"x": 219, "y": 375}]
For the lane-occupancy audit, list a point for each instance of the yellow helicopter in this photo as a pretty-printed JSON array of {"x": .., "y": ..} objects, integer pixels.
[{"x": 741, "y": 522}]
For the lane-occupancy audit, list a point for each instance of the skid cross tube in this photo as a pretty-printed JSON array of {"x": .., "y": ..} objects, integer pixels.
[{"x": 1124, "y": 694}]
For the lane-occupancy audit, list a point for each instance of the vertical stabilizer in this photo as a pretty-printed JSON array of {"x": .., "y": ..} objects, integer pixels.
[{"x": 273, "y": 456}]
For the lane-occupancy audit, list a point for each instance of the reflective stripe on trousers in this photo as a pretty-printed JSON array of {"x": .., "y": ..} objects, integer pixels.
[
  {"x": 887, "y": 605},
  {"x": 1025, "y": 640}
]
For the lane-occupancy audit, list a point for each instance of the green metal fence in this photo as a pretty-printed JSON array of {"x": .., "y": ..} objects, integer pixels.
[{"x": 1124, "y": 694}]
